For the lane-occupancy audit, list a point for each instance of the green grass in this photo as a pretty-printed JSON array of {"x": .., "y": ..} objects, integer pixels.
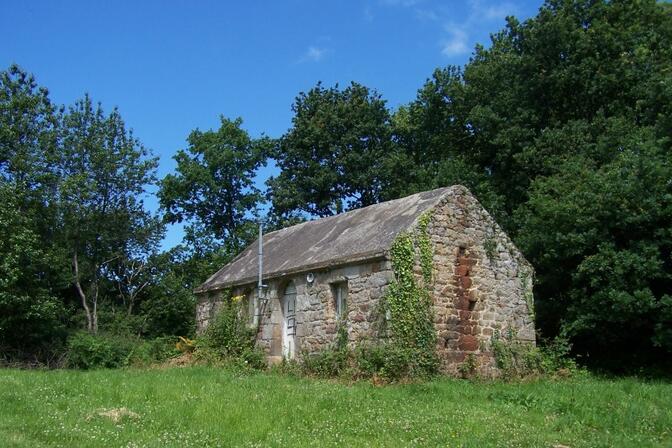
[{"x": 204, "y": 407}]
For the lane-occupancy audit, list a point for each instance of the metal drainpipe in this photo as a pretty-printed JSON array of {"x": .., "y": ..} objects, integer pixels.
[{"x": 260, "y": 284}]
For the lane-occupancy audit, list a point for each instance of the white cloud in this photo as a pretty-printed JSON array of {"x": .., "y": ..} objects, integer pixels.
[
  {"x": 492, "y": 12},
  {"x": 456, "y": 44},
  {"x": 315, "y": 54}
]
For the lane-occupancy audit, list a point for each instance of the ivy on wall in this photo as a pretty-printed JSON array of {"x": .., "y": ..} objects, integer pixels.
[{"x": 409, "y": 304}]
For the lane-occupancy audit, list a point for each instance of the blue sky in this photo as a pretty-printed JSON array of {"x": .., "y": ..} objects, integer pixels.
[{"x": 173, "y": 66}]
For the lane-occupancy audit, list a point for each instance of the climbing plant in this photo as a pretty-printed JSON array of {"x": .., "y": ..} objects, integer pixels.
[
  {"x": 424, "y": 245},
  {"x": 409, "y": 304}
]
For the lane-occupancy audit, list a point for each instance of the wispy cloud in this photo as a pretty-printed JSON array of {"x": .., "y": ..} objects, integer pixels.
[
  {"x": 315, "y": 54},
  {"x": 456, "y": 44},
  {"x": 492, "y": 12},
  {"x": 458, "y": 36}
]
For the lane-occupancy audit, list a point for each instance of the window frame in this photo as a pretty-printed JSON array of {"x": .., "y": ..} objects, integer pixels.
[{"x": 339, "y": 292}]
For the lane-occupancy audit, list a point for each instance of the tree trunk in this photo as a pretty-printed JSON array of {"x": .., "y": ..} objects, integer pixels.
[
  {"x": 82, "y": 296},
  {"x": 94, "y": 314}
]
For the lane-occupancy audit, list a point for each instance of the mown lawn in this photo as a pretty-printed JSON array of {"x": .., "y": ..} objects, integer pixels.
[{"x": 205, "y": 407}]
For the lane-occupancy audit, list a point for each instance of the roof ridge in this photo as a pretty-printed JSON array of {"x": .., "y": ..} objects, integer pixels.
[
  {"x": 343, "y": 237},
  {"x": 359, "y": 209}
]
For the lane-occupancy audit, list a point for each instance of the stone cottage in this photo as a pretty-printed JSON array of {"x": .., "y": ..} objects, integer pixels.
[{"x": 334, "y": 270}]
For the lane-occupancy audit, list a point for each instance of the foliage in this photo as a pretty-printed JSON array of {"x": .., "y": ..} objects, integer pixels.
[
  {"x": 89, "y": 351},
  {"x": 424, "y": 247},
  {"x": 214, "y": 184},
  {"x": 148, "y": 352},
  {"x": 32, "y": 319},
  {"x": 606, "y": 267},
  {"x": 411, "y": 321},
  {"x": 29, "y": 314},
  {"x": 519, "y": 359},
  {"x": 104, "y": 171},
  {"x": 107, "y": 351},
  {"x": 228, "y": 338},
  {"x": 561, "y": 128},
  {"x": 169, "y": 308},
  {"x": 327, "y": 363},
  {"x": 469, "y": 367},
  {"x": 331, "y": 158}
]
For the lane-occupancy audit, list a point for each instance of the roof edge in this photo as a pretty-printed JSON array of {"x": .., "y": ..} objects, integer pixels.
[{"x": 370, "y": 256}]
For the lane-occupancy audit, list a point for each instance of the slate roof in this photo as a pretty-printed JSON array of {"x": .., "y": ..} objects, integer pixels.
[{"x": 358, "y": 235}]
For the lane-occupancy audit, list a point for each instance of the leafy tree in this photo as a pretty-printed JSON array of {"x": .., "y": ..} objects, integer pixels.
[
  {"x": 28, "y": 131},
  {"x": 605, "y": 270},
  {"x": 332, "y": 158},
  {"x": 575, "y": 64},
  {"x": 563, "y": 123},
  {"x": 105, "y": 171},
  {"x": 214, "y": 185},
  {"x": 31, "y": 316}
]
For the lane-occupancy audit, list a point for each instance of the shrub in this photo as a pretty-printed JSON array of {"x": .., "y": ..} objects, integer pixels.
[
  {"x": 88, "y": 351},
  {"x": 331, "y": 362},
  {"x": 517, "y": 359},
  {"x": 469, "y": 368},
  {"x": 152, "y": 351},
  {"x": 229, "y": 340},
  {"x": 393, "y": 362}
]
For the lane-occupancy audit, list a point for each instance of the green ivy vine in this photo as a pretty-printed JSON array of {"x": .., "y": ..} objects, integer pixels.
[
  {"x": 424, "y": 245},
  {"x": 409, "y": 304}
]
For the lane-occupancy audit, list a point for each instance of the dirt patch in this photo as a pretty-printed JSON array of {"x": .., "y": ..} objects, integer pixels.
[{"x": 114, "y": 414}]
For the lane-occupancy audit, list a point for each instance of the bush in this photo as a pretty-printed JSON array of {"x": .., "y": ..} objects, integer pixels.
[
  {"x": 229, "y": 340},
  {"x": 518, "y": 359},
  {"x": 109, "y": 351},
  {"x": 332, "y": 362},
  {"x": 88, "y": 351},
  {"x": 393, "y": 362},
  {"x": 169, "y": 309},
  {"x": 152, "y": 351}
]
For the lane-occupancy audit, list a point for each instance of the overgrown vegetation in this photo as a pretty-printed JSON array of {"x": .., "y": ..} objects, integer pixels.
[
  {"x": 411, "y": 321},
  {"x": 229, "y": 339},
  {"x": 519, "y": 359},
  {"x": 87, "y": 351}
]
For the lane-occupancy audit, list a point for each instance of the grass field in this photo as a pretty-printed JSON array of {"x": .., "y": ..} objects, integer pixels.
[{"x": 204, "y": 407}]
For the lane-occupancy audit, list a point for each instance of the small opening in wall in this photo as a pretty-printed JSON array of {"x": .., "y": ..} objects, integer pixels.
[{"x": 339, "y": 293}]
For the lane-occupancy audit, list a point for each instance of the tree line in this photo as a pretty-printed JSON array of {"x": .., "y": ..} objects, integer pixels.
[{"x": 561, "y": 127}]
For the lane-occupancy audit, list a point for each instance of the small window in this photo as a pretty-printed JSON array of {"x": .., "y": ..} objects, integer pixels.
[
  {"x": 253, "y": 308},
  {"x": 340, "y": 293}
]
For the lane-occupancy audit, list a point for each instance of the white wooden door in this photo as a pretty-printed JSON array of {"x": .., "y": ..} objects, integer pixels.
[{"x": 289, "y": 321}]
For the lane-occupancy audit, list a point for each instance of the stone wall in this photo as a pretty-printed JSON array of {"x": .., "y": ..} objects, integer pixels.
[
  {"x": 481, "y": 284},
  {"x": 315, "y": 307}
]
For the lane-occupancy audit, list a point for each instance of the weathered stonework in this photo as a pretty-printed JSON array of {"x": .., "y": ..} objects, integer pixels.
[
  {"x": 481, "y": 284},
  {"x": 317, "y": 322}
]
